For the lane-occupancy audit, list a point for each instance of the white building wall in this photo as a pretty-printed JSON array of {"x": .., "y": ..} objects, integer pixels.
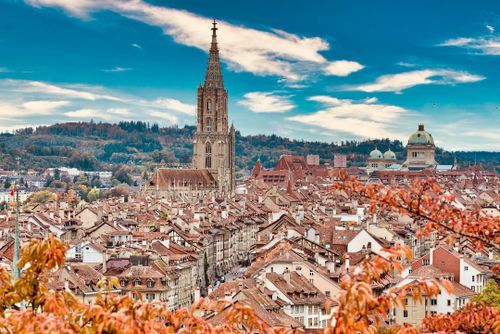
[
  {"x": 362, "y": 239},
  {"x": 91, "y": 255},
  {"x": 471, "y": 278}
]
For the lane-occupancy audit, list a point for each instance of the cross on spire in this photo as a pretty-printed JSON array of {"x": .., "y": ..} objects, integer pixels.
[{"x": 214, "y": 29}]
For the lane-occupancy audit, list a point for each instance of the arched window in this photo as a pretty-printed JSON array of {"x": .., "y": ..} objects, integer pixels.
[
  {"x": 209, "y": 106},
  {"x": 208, "y": 155},
  {"x": 208, "y": 124}
]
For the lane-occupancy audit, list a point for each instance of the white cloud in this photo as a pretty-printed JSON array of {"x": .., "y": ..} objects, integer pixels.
[
  {"x": 118, "y": 111},
  {"x": 30, "y": 100},
  {"x": 135, "y": 45},
  {"x": 84, "y": 92},
  {"x": 117, "y": 69},
  {"x": 273, "y": 52},
  {"x": 266, "y": 102},
  {"x": 15, "y": 110},
  {"x": 342, "y": 68},
  {"x": 4, "y": 70},
  {"x": 401, "y": 81},
  {"x": 329, "y": 100},
  {"x": 86, "y": 114},
  {"x": 361, "y": 119},
  {"x": 486, "y": 134},
  {"x": 405, "y": 64},
  {"x": 44, "y": 106},
  {"x": 175, "y": 105},
  {"x": 164, "y": 116},
  {"x": 486, "y": 45},
  {"x": 490, "y": 28},
  {"x": 371, "y": 100}
]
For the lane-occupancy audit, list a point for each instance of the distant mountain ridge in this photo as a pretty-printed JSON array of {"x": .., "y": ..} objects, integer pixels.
[{"x": 94, "y": 146}]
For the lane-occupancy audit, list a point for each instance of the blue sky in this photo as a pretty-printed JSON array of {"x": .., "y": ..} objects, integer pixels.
[{"x": 314, "y": 70}]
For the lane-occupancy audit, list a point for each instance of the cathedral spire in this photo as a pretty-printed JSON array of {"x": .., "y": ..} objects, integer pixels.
[{"x": 213, "y": 77}]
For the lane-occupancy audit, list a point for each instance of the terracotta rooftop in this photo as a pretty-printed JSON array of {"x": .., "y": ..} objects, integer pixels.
[{"x": 167, "y": 178}]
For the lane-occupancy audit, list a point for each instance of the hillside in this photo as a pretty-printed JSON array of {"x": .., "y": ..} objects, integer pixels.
[{"x": 94, "y": 146}]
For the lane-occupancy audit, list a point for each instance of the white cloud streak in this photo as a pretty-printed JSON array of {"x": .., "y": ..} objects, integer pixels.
[
  {"x": 175, "y": 105},
  {"x": 164, "y": 116},
  {"x": 20, "y": 99},
  {"x": 10, "y": 110},
  {"x": 401, "y": 81},
  {"x": 85, "y": 114},
  {"x": 83, "y": 92},
  {"x": 266, "y": 102},
  {"x": 273, "y": 52},
  {"x": 117, "y": 69},
  {"x": 485, "y": 45},
  {"x": 358, "y": 118}
]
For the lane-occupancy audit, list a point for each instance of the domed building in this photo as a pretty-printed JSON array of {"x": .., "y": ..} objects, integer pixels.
[
  {"x": 420, "y": 150},
  {"x": 377, "y": 160}
]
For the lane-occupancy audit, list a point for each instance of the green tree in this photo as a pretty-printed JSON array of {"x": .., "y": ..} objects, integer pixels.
[
  {"x": 41, "y": 196},
  {"x": 490, "y": 295},
  {"x": 93, "y": 194},
  {"x": 121, "y": 174}
]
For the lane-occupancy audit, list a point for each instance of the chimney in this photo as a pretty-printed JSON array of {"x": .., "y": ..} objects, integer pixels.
[
  {"x": 66, "y": 285},
  {"x": 286, "y": 275},
  {"x": 260, "y": 286},
  {"x": 99, "y": 214},
  {"x": 104, "y": 262},
  {"x": 431, "y": 256},
  {"x": 330, "y": 265},
  {"x": 347, "y": 262}
]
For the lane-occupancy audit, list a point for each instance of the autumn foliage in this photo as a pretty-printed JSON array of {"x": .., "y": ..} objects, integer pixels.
[
  {"x": 361, "y": 311},
  {"x": 29, "y": 306}
]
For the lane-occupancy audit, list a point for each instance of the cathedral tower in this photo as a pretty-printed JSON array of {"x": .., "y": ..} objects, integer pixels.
[{"x": 214, "y": 140}]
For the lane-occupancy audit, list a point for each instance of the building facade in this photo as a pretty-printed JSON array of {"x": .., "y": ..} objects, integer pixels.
[
  {"x": 420, "y": 150},
  {"x": 377, "y": 160}
]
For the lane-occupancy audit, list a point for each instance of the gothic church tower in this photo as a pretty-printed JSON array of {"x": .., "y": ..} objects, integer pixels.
[{"x": 213, "y": 140}]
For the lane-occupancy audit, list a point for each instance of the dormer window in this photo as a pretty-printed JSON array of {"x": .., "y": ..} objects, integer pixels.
[
  {"x": 123, "y": 282},
  {"x": 150, "y": 284},
  {"x": 137, "y": 282}
]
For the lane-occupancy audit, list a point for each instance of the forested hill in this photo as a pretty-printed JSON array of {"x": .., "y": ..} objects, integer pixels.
[{"x": 94, "y": 146}]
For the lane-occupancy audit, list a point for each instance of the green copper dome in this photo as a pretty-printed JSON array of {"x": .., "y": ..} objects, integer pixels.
[
  {"x": 389, "y": 155},
  {"x": 421, "y": 137},
  {"x": 376, "y": 154}
]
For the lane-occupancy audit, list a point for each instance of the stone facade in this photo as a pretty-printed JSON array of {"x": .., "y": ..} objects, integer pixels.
[
  {"x": 214, "y": 140},
  {"x": 213, "y": 144},
  {"x": 420, "y": 150}
]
